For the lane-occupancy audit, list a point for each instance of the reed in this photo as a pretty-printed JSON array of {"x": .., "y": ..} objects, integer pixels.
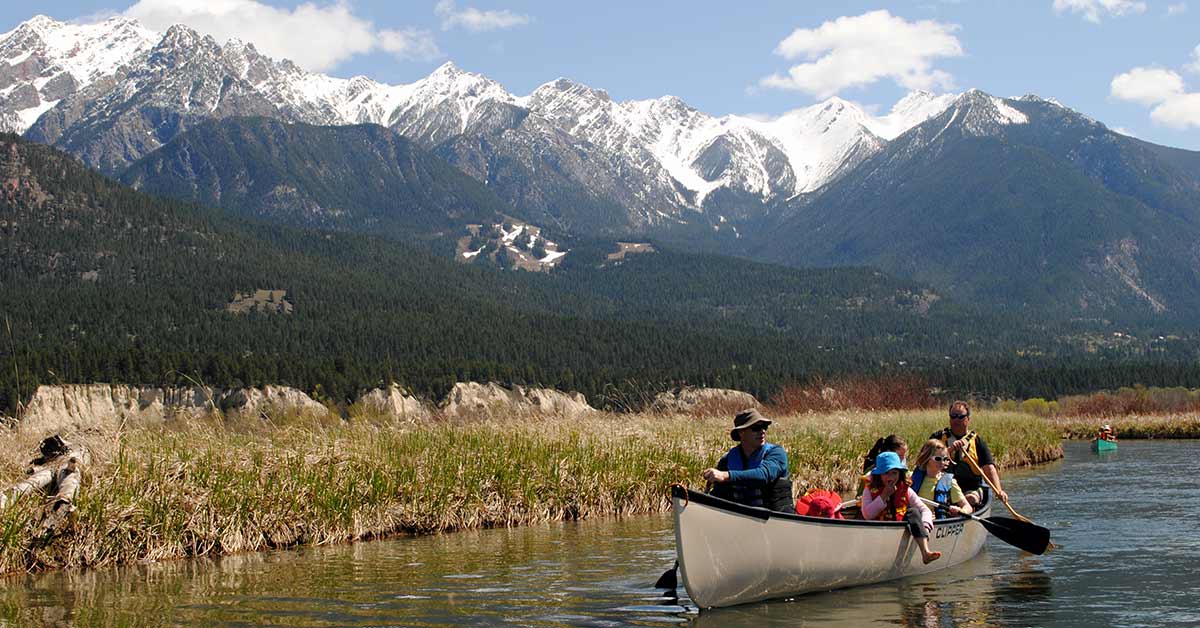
[
  {"x": 212, "y": 488},
  {"x": 1174, "y": 425}
]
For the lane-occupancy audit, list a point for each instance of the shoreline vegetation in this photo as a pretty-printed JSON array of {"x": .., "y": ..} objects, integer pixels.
[{"x": 211, "y": 487}]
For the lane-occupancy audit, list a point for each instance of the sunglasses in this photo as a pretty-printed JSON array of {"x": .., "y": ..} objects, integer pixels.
[
  {"x": 758, "y": 427},
  {"x": 942, "y": 458},
  {"x": 959, "y": 417}
]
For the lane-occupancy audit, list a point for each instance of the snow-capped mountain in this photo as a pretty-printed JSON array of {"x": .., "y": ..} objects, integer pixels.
[
  {"x": 119, "y": 74},
  {"x": 667, "y": 139},
  {"x": 797, "y": 152},
  {"x": 1018, "y": 202},
  {"x": 42, "y": 61}
]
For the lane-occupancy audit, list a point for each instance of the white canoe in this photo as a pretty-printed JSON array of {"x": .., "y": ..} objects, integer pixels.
[{"x": 733, "y": 554}]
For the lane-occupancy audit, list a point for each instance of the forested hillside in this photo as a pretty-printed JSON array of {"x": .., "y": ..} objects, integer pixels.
[
  {"x": 102, "y": 283},
  {"x": 365, "y": 178}
]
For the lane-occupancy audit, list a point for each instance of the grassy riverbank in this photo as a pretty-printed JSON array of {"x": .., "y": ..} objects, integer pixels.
[
  {"x": 211, "y": 488},
  {"x": 1130, "y": 427}
]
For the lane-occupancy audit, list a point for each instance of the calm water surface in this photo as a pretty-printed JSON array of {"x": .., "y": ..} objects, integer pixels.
[{"x": 1127, "y": 526}]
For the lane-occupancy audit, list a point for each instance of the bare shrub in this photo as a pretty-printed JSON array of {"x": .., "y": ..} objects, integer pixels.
[
  {"x": 1138, "y": 400},
  {"x": 855, "y": 393}
]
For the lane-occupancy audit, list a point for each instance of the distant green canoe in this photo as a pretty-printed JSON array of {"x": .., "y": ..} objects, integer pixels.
[{"x": 1100, "y": 446}]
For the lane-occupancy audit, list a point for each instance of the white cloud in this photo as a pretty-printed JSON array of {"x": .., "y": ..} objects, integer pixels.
[
  {"x": 1147, "y": 86},
  {"x": 316, "y": 37},
  {"x": 1179, "y": 112},
  {"x": 1093, "y": 10},
  {"x": 856, "y": 51},
  {"x": 1194, "y": 66},
  {"x": 409, "y": 43},
  {"x": 1162, "y": 89},
  {"x": 1124, "y": 131},
  {"x": 475, "y": 20},
  {"x": 1177, "y": 9}
]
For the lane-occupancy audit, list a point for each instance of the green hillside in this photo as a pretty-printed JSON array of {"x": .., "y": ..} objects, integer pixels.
[
  {"x": 102, "y": 283},
  {"x": 365, "y": 178}
]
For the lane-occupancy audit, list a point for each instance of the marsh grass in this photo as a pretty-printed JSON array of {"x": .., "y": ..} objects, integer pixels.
[
  {"x": 1176, "y": 425},
  {"x": 213, "y": 488}
]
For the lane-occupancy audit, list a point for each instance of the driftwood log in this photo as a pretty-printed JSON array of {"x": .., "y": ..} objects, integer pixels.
[{"x": 54, "y": 473}]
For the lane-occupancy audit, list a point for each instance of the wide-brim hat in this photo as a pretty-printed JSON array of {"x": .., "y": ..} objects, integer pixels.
[
  {"x": 887, "y": 461},
  {"x": 745, "y": 419}
]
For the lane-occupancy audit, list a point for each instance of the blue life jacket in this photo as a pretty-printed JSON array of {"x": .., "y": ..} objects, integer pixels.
[
  {"x": 941, "y": 492},
  {"x": 775, "y": 495}
]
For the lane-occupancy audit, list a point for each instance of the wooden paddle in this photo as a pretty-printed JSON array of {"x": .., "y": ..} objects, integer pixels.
[{"x": 1022, "y": 535}]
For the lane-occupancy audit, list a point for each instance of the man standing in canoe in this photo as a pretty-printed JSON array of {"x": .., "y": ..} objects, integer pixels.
[
  {"x": 970, "y": 456},
  {"x": 754, "y": 472}
]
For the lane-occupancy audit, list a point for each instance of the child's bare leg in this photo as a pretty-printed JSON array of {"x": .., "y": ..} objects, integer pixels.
[{"x": 927, "y": 555}]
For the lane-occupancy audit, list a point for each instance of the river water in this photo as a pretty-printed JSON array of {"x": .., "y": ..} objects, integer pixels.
[{"x": 1127, "y": 527}]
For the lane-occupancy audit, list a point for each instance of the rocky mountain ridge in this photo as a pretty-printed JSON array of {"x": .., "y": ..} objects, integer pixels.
[
  {"x": 145, "y": 90},
  {"x": 1021, "y": 203},
  {"x": 1062, "y": 214}
]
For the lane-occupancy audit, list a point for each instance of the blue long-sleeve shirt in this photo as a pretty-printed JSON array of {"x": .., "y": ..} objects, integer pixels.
[
  {"x": 750, "y": 475},
  {"x": 766, "y": 465}
]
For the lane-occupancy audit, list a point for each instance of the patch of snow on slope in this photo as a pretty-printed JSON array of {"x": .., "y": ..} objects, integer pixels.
[
  {"x": 30, "y": 115},
  {"x": 908, "y": 112},
  {"x": 818, "y": 139},
  {"x": 675, "y": 135},
  {"x": 1006, "y": 114}
]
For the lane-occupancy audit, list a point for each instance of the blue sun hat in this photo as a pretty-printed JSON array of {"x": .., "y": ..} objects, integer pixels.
[{"x": 887, "y": 461}]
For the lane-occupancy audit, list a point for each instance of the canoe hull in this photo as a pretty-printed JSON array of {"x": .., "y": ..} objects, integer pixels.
[
  {"x": 731, "y": 554},
  {"x": 1100, "y": 445}
]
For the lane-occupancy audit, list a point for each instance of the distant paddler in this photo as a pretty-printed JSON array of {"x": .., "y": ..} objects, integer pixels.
[{"x": 1106, "y": 440}]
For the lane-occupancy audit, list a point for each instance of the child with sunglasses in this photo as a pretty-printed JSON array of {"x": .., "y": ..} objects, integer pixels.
[{"x": 935, "y": 484}]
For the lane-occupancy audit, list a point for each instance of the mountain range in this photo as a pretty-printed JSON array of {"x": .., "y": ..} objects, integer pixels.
[
  {"x": 1019, "y": 204},
  {"x": 105, "y": 283},
  {"x": 146, "y": 88}
]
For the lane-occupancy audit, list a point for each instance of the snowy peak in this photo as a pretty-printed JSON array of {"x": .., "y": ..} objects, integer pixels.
[
  {"x": 908, "y": 112},
  {"x": 441, "y": 105},
  {"x": 182, "y": 47},
  {"x": 43, "y": 60},
  {"x": 86, "y": 51},
  {"x": 980, "y": 114},
  {"x": 563, "y": 88},
  {"x": 820, "y": 141},
  {"x": 973, "y": 113},
  {"x": 448, "y": 81}
]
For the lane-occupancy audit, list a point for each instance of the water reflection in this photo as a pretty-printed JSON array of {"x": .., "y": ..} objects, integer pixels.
[
  {"x": 1115, "y": 565},
  {"x": 979, "y": 592}
]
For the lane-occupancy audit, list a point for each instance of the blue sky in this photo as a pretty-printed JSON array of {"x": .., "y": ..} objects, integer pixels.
[{"x": 1132, "y": 64}]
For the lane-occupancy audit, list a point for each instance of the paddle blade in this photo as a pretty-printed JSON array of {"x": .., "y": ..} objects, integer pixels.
[
  {"x": 668, "y": 580},
  {"x": 1029, "y": 537}
]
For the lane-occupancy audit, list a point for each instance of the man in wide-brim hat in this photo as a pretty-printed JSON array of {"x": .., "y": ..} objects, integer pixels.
[{"x": 754, "y": 472}]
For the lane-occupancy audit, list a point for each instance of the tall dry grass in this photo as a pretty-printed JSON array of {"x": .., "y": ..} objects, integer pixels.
[
  {"x": 855, "y": 393},
  {"x": 1123, "y": 402},
  {"x": 211, "y": 488},
  {"x": 1130, "y": 427}
]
